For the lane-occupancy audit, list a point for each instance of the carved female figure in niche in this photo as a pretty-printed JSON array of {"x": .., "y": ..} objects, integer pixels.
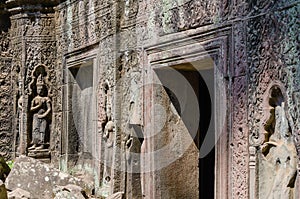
[
  {"x": 41, "y": 106},
  {"x": 278, "y": 169},
  {"x": 108, "y": 136}
]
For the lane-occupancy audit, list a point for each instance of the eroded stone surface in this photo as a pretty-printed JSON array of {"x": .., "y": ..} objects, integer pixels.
[
  {"x": 38, "y": 178},
  {"x": 19, "y": 193},
  {"x": 278, "y": 160},
  {"x": 69, "y": 191},
  {"x": 252, "y": 44},
  {"x": 118, "y": 195}
]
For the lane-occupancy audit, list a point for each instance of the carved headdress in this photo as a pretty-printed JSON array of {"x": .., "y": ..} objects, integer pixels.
[{"x": 40, "y": 80}]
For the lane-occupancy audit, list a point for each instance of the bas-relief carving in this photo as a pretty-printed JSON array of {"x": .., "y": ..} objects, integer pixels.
[
  {"x": 19, "y": 123},
  {"x": 106, "y": 128},
  {"x": 5, "y": 50},
  {"x": 104, "y": 105},
  {"x": 240, "y": 52},
  {"x": 6, "y": 109},
  {"x": 296, "y": 117},
  {"x": 266, "y": 41},
  {"x": 272, "y": 56},
  {"x": 40, "y": 52},
  {"x": 133, "y": 138},
  {"x": 41, "y": 106},
  {"x": 108, "y": 136},
  {"x": 191, "y": 14},
  {"x": 129, "y": 15},
  {"x": 240, "y": 131},
  {"x": 6, "y": 102},
  {"x": 36, "y": 106},
  {"x": 39, "y": 25},
  {"x": 239, "y": 151},
  {"x": 278, "y": 156},
  {"x": 17, "y": 85},
  {"x": 77, "y": 30}
]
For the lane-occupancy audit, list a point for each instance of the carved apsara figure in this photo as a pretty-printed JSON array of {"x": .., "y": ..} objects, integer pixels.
[
  {"x": 108, "y": 137},
  {"x": 41, "y": 106},
  {"x": 278, "y": 169}
]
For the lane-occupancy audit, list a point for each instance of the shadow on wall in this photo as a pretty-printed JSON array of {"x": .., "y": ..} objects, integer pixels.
[{"x": 4, "y": 22}]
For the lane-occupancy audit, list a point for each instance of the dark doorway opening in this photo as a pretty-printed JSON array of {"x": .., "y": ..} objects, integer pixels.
[{"x": 202, "y": 82}]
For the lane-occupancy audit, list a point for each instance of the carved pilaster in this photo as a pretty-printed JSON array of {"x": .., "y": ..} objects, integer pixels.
[
  {"x": 252, "y": 173},
  {"x": 239, "y": 143}
]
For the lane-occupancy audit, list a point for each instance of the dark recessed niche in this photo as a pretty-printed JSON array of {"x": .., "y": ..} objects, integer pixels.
[{"x": 4, "y": 22}]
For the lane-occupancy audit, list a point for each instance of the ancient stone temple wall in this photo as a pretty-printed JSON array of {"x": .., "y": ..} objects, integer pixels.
[
  {"x": 85, "y": 33},
  {"x": 272, "y": 53},
  {"x": 179, "y": 33},
  {"x": 258, "y": 52},
  {"x": 113, "y": 83},
  {"x": 33, "y": 48}
]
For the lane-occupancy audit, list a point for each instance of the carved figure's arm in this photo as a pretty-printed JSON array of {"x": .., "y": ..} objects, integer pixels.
[
  {"x": 33, "y": 108},
  {"x": 106, "y": 134},
  {"x": 48, "y": 109}
]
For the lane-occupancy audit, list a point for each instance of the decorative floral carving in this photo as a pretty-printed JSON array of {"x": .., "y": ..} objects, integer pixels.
[
  {"x": 40, "y": 52},
  {"x": 6, "y": 109},
  {"x": 191, "y": 14},
  {"x": 240, "y": 54},
  {"x": 240, "y": 154},
  {"x": 272, "y": 57},
  {"x": 4, "y": 44},
  {"x": 38, "y": 26},
  {"x": 88, "y": 23},
  {"x": 6, "y": 99}
]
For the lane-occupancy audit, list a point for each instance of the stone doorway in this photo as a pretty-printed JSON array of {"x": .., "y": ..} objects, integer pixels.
[
  {"x": 80, "y": 140},
  {"x": 200, "y": 77},
  {"x": 189, "y": 55}
]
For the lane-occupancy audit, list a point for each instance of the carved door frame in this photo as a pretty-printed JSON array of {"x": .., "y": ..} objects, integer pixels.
[
  {"x": 86, "y": 55},
  {"x": 186, "y": 47}
]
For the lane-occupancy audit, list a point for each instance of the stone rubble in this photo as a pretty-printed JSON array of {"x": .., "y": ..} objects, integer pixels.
[
  {"x": 43, "y": 181},
  {"x": 19, "y": 194},
  {"x": 32, "y": 179},
  {"x": 69, "y": 191}
]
